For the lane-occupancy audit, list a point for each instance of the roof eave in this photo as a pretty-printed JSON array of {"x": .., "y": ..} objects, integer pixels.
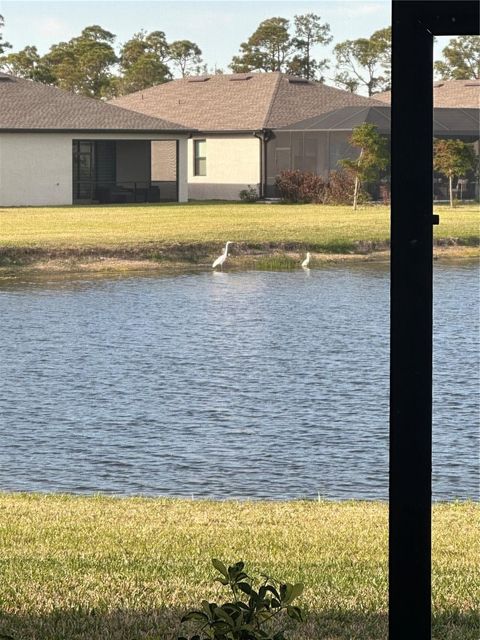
[
  {"x": 211, "y": 132},
  {"x": 185, "y": 132}
]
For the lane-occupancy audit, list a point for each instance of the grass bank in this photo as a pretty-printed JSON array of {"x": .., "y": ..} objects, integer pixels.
[
  {"x": 169, "y": 235},
  {"x": 97, "y": 568}
]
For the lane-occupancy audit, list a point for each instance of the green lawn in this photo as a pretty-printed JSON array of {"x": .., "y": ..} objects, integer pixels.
[
  {"x": 321, "y": 228},
  {"x": 108, "y": 569}
]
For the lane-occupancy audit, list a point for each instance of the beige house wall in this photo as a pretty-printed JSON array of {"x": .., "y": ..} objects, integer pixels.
[
  {"x": 36, "y": 168},
  {"x": 233, "y": 163},
  {"x": 183, "y": 186}
]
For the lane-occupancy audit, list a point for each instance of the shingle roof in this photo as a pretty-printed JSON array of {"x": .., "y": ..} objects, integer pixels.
[
  {"x": 236, "y": 102},
  {"x": 448, "y": 94},
  {"x": 28, "y": 105},
  {"x": 446, "y": 121}
]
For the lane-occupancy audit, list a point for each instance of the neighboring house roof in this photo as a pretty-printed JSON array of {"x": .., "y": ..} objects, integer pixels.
[
  {"x": 448, "y": 94},
  {"x": 239, "y": 101},
  {"x": 346, "y": 119},
  {"x": 32, "y": 106},
  {"x": 445, "y": 121}
]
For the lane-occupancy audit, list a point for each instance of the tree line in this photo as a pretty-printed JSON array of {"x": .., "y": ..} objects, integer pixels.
[{"x": 90, "y": 65}]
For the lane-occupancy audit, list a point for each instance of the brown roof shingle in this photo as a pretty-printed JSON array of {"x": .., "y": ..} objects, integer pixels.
[
  {"x": 28, "y": 105},
  {"x": 449, "y": 94},
  {"x": 236, "y": 102}
]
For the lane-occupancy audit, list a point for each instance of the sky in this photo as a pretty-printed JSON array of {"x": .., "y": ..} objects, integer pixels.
[{"x": 217, "y": 26}]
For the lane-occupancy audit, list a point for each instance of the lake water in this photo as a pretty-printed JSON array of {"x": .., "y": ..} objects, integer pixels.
[{"x": 225, "y": 385}]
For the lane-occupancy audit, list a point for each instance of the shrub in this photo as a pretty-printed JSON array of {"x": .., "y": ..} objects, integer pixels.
[
  {"x": 341, "y": 185},
  {"x": 304, "y": 186},
  {"x": 251, "y": 614},
  {"x": 248, "y": 195},
  {"x": 300, "y": 186}
]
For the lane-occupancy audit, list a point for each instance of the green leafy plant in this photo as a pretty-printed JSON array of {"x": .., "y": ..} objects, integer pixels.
[{"x": 253, "y": 614}]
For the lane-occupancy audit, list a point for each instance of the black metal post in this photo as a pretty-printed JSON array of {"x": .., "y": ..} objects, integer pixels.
[
  {"x": 414, "y": 23},
  {"x": 411, "y": 328}
]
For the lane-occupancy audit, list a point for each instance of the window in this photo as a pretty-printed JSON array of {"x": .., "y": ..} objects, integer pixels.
[{"x": 200, "y": 158}]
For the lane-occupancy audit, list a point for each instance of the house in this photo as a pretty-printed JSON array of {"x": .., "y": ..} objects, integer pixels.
[
  {"x": 237, "y": 118},
  {"x": 201, "y": 137},
  {"x": 58, "y": 148}
]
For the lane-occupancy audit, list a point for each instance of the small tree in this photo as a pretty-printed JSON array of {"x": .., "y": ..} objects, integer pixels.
[
  {"x": 373, "y": 157},
  {"x": 453, "y": 158}
]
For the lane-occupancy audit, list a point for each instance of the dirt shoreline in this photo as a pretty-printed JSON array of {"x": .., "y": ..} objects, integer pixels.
[{"x": 188, "y": 258}]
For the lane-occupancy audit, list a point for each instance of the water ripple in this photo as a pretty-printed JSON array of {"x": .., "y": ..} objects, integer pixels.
[{"x": 266, "y": 385}]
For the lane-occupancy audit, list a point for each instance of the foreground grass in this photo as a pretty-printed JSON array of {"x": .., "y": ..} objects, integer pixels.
[
  {"x": 108, "y": 569},
  {"x": 321, "y": 228}
]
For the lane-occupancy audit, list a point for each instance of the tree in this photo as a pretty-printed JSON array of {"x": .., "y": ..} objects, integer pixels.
[
  {"x": 185, "y": 55},
  {"x": 461, "y": 59},
  {"x": 373, "y": 157},
  {"x": 83, "y": 64},
  {"x": 309, "y": 31},
  {"x": 27, "y": 63},
  {"x": 143, "y": 62},
  {"x": 453, "y": 158},
  {"x": 267, "y": 49},
  {"x": 365, "y": 61},
  {"x": 3, "y": 45}
]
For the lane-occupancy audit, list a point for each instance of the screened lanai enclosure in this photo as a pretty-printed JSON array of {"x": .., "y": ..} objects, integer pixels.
[
  {"x": 125, "y": 171},
  {"x": 318, "y": 144},
  {"x": 315, "y": 151}
]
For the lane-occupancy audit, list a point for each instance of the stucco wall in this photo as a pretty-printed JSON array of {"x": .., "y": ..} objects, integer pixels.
[
  {"x": 233, "y": 163},
  {"x": 36, "y": 168},
  {"x": 183, "y": 186}
]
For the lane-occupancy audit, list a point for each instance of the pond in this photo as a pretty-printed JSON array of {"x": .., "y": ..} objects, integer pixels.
[{"x": 226, "y": 385}]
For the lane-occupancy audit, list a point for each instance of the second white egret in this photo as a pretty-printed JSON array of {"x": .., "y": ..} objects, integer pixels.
[
  {"x": 221, "y": 259},
  {"x": 306, "y": 261}
]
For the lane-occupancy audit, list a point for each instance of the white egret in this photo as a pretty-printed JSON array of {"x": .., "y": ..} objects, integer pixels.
[
  {"x": 306, "y": 261},
  {"x": 221, "y": 259}
]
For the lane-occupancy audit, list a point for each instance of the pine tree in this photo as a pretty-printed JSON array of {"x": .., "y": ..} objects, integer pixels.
[{"x": 365, "y": 62}]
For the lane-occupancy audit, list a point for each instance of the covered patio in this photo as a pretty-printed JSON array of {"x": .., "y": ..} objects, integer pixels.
[{"x": 124, "y": 171}]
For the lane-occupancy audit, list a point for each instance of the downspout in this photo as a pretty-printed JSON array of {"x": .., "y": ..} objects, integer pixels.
[{"x": 264, "y": 135}]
